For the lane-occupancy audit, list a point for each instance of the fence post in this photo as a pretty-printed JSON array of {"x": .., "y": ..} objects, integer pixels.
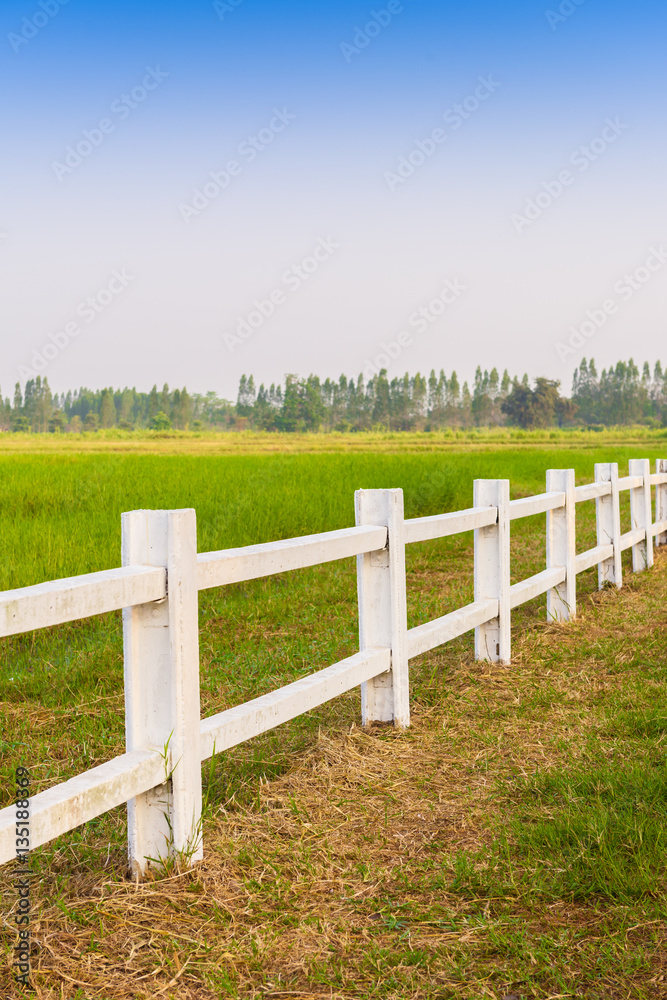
[
  {"x": 561, "y": 546},
  {"x": 661, "y": 501},
  {"x": 608, "y": 523},
  {"x": 641, "y": 514},
  {"x": 493, "y": 641},
  {"x": 383, "y": 618},
  {"x": 161, "y": 652}
]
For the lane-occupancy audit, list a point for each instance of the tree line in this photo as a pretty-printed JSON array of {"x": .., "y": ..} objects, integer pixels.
[
  {"x": 37, "y": 409},
  {"x": 619, "y": 395}
]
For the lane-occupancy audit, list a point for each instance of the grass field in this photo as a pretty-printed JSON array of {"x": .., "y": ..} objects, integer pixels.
[{"x": 510, "y": 842}]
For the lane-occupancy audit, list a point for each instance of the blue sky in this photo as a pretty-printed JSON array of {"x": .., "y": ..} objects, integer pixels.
[{"x": 408, "y": 138}]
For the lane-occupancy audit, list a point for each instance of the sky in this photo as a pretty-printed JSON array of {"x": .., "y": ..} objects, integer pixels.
[{"x": 196, "y": 191}]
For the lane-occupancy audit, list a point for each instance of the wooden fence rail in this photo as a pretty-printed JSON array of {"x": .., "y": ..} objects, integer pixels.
[{"x": 159, "y": 776}]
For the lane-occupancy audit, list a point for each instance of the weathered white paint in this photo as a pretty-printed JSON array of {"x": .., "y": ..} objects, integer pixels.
[
  {"x": 661, "y": 499},
  {"x": 236, "y": 725},
  {"x": 641, "y": 514},
  {"x": 562, "y": 546},
  {"x": 383, "y": 616},
  {"x": 659, "y": 528},
  {"x": 632, "y": 539},
  {"x": 76, "y": 597},
  {"x": 632, "y": 482},
  {"x": 591, "y": 491},
  {"x": 73, "y": 802},
  {"x": 535, "y": 586},
  {"x": 586, "y": 560},
  {"x": 528, "y": 506},
  {"x": 421, "y": 638},
  {"x": 161, "y": 643},
  {"x": 608, "y": 525},
  {"x": 216, "y": 569},
  {"x": 424, "y": 529},
  {"x": 493, "y": 640}
]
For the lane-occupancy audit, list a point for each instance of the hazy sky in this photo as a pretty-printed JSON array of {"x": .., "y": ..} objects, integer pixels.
[{"x": 197, "y": 190}]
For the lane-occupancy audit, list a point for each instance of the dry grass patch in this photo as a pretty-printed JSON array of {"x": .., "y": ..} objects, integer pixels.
[{"x": 409, "y": 864}]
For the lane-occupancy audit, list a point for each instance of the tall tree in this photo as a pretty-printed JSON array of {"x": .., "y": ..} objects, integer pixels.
[{"x": 107, "y": 409}]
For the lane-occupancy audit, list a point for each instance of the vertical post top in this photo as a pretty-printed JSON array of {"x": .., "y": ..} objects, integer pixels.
[
  {"x": 606, "y": 471},
  {"x": 396, "y": 489},
  {"x": 159, "y": 512},
  {"x": 378, "y": 506},
  {"x": 147, "y": 535},
  {"x": 560, "y": 480},
  {"x": 491, "y": 492}
]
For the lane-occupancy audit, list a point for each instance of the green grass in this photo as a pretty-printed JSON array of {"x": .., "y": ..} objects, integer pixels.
[
  {"x": 585, "y": 833},
  {"x": 575, "y": 827},
  {"x": 61, "y": 516},
  {"x": 60, "y": 513}
]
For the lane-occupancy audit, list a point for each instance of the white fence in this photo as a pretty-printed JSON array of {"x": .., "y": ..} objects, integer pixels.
[{"x": 159, "y": 776}]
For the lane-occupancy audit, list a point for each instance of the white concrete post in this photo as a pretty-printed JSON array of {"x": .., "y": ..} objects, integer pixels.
[
  {"x": 561, "y": 546},
  {"x": 661, "y": 501},
  {"x": 161, "y": 650},
  {"x": 641, "y": 514},
  {"x": 383, "y": 617},
  {"x": 493, "y": 641},
  {"x": 608, "y": 522}
]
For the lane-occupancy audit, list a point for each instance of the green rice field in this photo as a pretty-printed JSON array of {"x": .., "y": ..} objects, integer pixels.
[{"x": 61, "y": 712}]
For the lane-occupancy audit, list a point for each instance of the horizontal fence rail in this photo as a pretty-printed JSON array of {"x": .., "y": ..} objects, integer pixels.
[
  {"x": 215, "y": 569},
  {"x": 591, "y": 491},
  {"x": 88, "y": 795},
  {"x": 594, "y": 556},
  {"x": 78, "y": 597},
  {"x": 425, "y": 529},
  {"x": 159, "y": 776},
  {"x": 422, "y": 638},
  {"x": 236, "y": 725},
  {"x": 529, "y": 506},
  {"x": 535, "y": 586}
]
